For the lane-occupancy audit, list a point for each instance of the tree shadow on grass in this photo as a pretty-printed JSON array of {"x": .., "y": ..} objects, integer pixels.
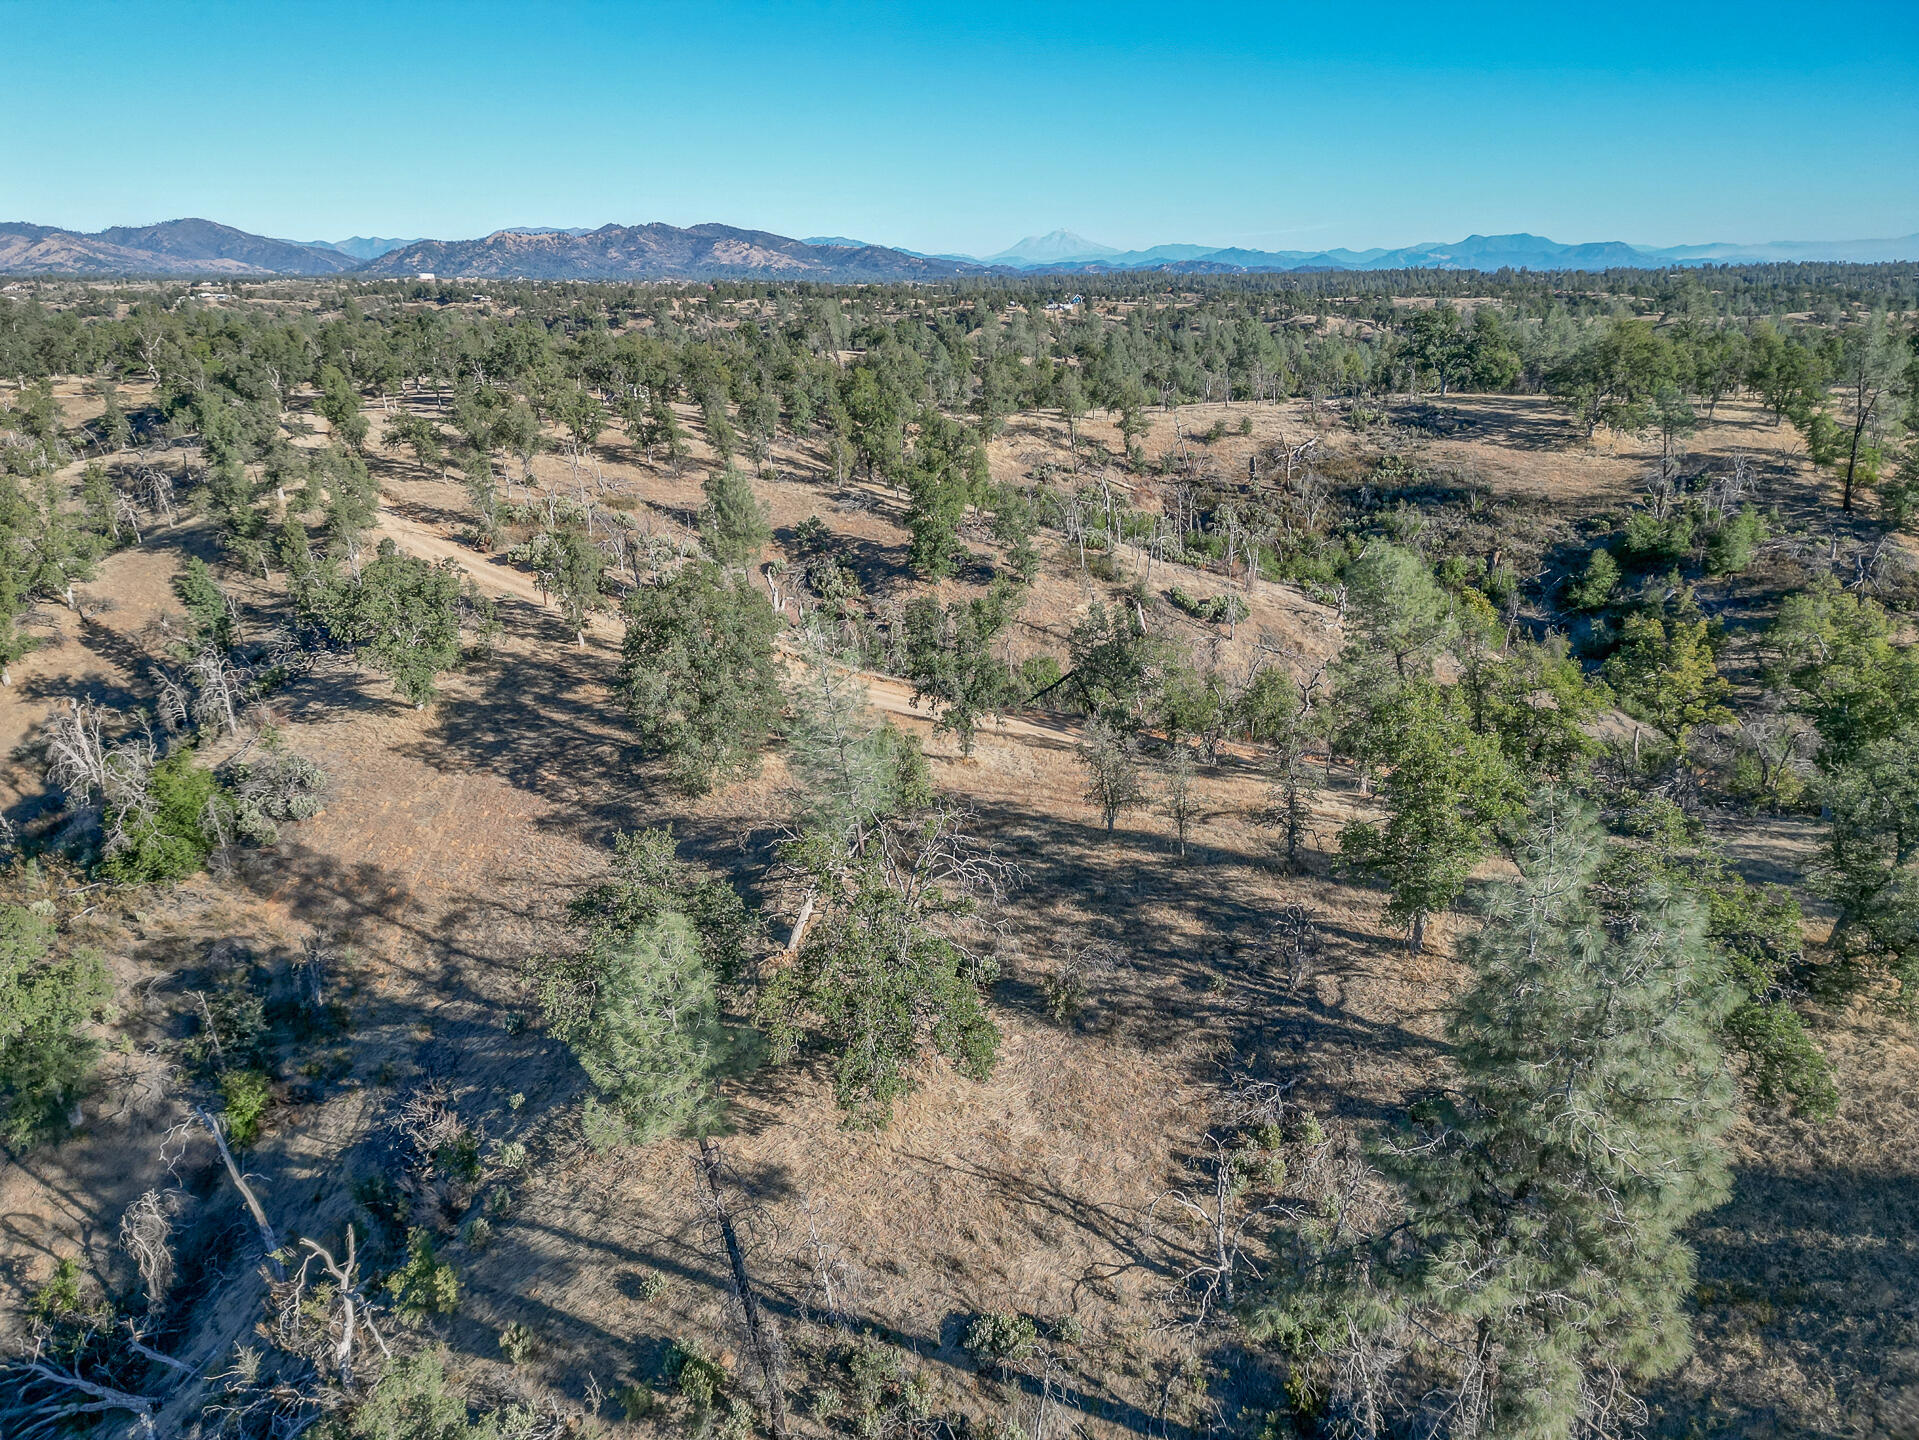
[
  {"x": 1192, "y": 936},
  {"x": 1805, "y": 1274}
]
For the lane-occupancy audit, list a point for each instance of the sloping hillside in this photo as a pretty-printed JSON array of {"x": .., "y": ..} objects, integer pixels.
[
  {"x": 174, "y": 247},
  {"x": 656, "y": 252}
]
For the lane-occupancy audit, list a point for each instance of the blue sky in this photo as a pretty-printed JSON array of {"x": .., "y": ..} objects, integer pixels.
[{"x": 965, "y": 127}]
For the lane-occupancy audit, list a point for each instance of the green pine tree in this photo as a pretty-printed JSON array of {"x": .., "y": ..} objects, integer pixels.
[
  {"x": 1541, "y": 1269},
  {"x": 699, "y": 678},
  {"x": 1449, "y": 791}
]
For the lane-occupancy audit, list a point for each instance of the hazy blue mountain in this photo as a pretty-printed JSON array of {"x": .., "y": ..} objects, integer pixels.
[
  {"x": 1056, "y": 248},
  {"x": 365, "y": 247},
  {"x": 1480, "y": 252},
  {"x": 665, "y": 252},
  {"x": 1858, "y": 252}
]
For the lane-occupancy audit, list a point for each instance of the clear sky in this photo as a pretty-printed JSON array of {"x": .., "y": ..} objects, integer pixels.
[{"x": 963, "y": 127}]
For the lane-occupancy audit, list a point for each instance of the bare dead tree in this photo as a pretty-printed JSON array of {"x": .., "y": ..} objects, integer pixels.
[
  {"x": 249, "y": 1400},
  {"x": 173, "y": 704},
  {"x": 1221, "y": 1213},
  {"x": 90, "y": 772},
  {"x": 146, "y": 1234},
  {"x": 218, "y": 688},
  {"x": 269, "y": 1241},
  {"x": 43, "y": 1398},
  {"x": 316, "y": 959},
  {"x": 427, "y": 1122},
  {"x": 1292, "y": 945},
  {"x": 833, "y": 1281},
  {"x": 326, "y": 1328},
  {"x": 76, "y": 753},
  {"x": 154, "y": 486},
  {"x": 1223, "y": 1223},
  {"x": 1084, "y": 965},
  {"x": 125, "y": 513}
]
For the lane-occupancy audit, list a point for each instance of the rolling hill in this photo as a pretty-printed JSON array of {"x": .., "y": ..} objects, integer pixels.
[
  {"x": 173, "y": 247},
  {"x": 661, "y": 252}
]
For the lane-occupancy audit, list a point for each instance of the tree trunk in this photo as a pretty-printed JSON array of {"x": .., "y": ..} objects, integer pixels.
[{"x": 267, "y": 1238}]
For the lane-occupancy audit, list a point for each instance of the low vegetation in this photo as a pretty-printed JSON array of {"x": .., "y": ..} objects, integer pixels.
[{"x": 1286, "y": 858}]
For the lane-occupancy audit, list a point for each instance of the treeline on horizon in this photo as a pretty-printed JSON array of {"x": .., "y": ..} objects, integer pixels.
[{"x": 1131, "y": 340}]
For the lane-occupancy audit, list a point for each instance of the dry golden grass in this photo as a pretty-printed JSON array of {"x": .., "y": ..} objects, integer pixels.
[{"x": 453, "y": 838}]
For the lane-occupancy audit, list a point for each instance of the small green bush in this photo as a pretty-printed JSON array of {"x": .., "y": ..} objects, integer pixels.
[
  {"x": 170, "y": 842},
  {"x": 999, "y": 1336},
  {"x": 1594, "y": 589},
  {"x": 425, "y": 1285},
  {"x": 518, "y": 1343},
  {"x": 1734, "y": 541},
  {"x": 1226, "y": 609},
  {"x": 459, "y": 1158},
  {"x": 699, "y": 1381},
  {"x": 1650, "y": 539},
  {"x": 245, "y": 1096},
  {"x": 1037, "y": 673},
  {"x": 828, "y": 1404},
  {"x": 45, "y": 1060},
  {"x": 60, "y": 1295},
  {"x": 1784, "y": 1063}
]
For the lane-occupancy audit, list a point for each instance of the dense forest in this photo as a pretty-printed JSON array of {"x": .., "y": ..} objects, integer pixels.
[{"x": 1615, "y": 771}]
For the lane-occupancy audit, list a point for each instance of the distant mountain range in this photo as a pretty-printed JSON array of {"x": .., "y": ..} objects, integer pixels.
[
  {"x": 663, "y": 252},
  {"x": 1063, "y": 250},
  {"x": 176, "y": 247},
  {"x": 363, "y": 247},
  {"x": 717, "y": 252}
]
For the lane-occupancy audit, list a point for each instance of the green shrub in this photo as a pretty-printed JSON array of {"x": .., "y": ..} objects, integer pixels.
[
  {"x": 518, "y": 1343},
  {"x": 1037, "y": 673},
  {"x": 59, "y": 1296},
  {"x": 1650, "y": 539},
  {"x": 699, "y": 1381},
  {"x": 245, "y": 1097},
  {"x": 1734, "y": 541},
  {"x": 412, "y": 1400},
  {"x": 1783, "y": 1062},
  {"x": 1227, "y": 609},
  {"x": 1594, "y": 589},
  {"x": 459, "y": 1158},
  {"x": 999, "y": 1336},
  {"x": 425, "y": 1284},
  {"x": 1456, "y": 572},
  {"x": 44, "y": 1059},
  {"x": 170, "y": 841},
  {"x": 1500, "y": 585}
]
